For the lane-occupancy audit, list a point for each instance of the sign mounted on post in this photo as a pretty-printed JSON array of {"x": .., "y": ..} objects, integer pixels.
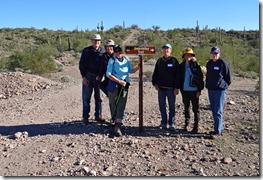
[{"x": 141, "y": 50}]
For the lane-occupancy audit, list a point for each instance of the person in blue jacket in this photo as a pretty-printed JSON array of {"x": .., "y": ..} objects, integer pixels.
[
  {"x": 118, "y": 69},
  {"x": 218, "y": 79}
]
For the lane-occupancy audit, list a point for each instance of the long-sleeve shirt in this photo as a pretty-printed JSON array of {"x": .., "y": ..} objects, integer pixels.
[
  {"x": 119, "y": 69},
  {"x": 218, "y": 75},
  {"x": 186, "y": 71},
  {"x": 89, "y": 61},
  {"x": 104, "y": 63},
  {"x": 166, "y": 73}
]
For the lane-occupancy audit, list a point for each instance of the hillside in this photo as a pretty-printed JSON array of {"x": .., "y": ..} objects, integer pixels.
[
  {"x": 239, "y": 48},
  {"x": 41, "y": 133}
]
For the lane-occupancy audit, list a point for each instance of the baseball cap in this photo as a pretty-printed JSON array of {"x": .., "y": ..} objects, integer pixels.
[
  {"x": 167, "y": 45},
  {"x": 117, "y": 48},
  {"x": 96, "y": 37},
  {"x": 215, "y": 50}
]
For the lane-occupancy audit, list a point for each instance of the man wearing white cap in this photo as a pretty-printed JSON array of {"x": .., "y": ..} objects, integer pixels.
[{"x": 89, "y": 69}]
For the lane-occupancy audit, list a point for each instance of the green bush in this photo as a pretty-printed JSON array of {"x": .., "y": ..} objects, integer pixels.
[{"x": 38, "y": 61}]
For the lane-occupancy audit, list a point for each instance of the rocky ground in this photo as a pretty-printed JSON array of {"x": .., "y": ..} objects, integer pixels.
[{"x": 41, "y": 133}]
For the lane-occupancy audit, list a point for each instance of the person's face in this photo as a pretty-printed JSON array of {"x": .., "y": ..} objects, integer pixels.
[
  {"x": 118, "y": 54},
  {"x": 109, "y": 49},
  {"x": 215, "y": 56},
  {"x": 166, "y": 51},
  {"x": 188, "y": 56},
  {"x": 95, "y": 43}
]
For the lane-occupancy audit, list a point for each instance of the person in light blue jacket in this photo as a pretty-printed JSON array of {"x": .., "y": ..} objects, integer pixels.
[
  {"x": 118, "y": 69},
  {"x": 218, "y": 79}
]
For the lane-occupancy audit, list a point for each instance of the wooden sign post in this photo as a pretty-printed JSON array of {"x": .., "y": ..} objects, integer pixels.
[{"x": 140, "y": 50}]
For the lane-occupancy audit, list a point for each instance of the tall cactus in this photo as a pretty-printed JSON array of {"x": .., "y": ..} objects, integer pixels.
[
  {"x": 101, "y": 26},
  {"x": 98, "y": 27},
  {"x": 123, "y": 25},
  {"x": 69, "y": 47}
]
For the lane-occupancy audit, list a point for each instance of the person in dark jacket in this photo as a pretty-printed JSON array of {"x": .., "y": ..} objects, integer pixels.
[
  {"x": 103, "y": 65},
  {"x": 191, "y": 91},
  {"x": 89, "y": 69},
  {"x": 218, "y": 79},
  {"x": 165, "y": 79}
]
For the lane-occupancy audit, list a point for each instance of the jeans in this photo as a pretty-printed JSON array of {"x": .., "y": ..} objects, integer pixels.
[
  {"x": 86, "y": 96},
  {"x": 217, "y": 101},
  {"x": 162, "y": 94}
]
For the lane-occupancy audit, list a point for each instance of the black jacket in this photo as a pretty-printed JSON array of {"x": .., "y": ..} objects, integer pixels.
[
  {"x": 104, "y": 59},
  {"x": 166, "y": 73},
  {"x": 89, "y": 61},
  {"x": 196, "y": 69}
]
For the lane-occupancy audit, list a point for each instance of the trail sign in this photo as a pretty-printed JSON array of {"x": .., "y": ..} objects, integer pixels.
[{"x": 141, "y": 50}]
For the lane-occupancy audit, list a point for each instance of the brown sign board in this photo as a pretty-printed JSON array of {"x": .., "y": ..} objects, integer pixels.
[{"x": 142, "y": 50}]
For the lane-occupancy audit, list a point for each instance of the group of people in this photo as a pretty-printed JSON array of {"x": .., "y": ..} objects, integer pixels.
[
  {"x": 114, "y": 68},
  {"x": 169, "y": 78}
]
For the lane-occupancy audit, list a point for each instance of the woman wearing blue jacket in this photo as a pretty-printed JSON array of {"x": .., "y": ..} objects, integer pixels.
[{"x": 218, "y": 79}]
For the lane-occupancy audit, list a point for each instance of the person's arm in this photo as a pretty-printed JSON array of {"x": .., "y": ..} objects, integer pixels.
[
  {"x": 83, "y": 63},
  {"x": 136, "y": 68},
  {"x": 227, "y": 73},
  {"x": 155, "y": 75}
]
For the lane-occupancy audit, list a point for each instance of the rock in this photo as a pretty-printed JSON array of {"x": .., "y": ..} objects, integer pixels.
[{"x": 227, "y": 160}]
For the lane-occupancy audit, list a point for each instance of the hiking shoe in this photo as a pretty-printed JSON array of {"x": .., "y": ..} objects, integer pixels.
[
  {"x": 99, "y": 119},
  {"x": 163, "y": 126},
  {"x": 85, "y": 120},
  {"x": 216, "y": 136},
  {"x": 172, "y": 128},
  {"x": 117, "y": 130},
  {"x": 194, "y": 130},
  {"x": 185, "y": 128}
]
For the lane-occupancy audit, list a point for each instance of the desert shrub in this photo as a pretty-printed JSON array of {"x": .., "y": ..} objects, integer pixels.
[
  {"x": 38, "y": 61},
  {"x": 67, "y": 79}
]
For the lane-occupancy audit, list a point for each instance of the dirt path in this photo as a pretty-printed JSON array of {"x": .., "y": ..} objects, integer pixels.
[{"x": 54, "y": 142}]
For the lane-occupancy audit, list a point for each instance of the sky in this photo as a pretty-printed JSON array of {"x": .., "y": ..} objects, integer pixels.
[{"x": 169, "y": 14}]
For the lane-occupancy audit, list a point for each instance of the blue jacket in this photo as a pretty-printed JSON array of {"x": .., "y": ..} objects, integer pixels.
[{"x": 218, "y": 75}]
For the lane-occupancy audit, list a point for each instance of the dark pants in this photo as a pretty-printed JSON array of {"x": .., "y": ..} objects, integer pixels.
[
  {"x": 190, "y": 97},
  {"x": 86, "y": 96}
]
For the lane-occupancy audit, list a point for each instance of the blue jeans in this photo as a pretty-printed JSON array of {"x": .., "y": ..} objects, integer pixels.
[
  {"x": 86, "y": 96},
  {"x": 162, "y": 94},
  {"x": 217, "y": 101}
]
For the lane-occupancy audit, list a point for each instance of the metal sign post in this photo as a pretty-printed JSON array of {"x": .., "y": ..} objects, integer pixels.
[{"x": 140, "y": 50}]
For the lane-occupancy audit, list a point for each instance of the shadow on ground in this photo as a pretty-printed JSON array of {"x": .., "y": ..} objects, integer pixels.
[{"x": 76, "y": 127}]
